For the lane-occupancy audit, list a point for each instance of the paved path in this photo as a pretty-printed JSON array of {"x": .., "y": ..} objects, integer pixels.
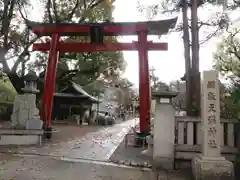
[
  {"x": 70, "y": 160},
  {"x": 98, "y": 145},
  {"x": 43, "y": 168},
  {"x": 85, "y": 158}
]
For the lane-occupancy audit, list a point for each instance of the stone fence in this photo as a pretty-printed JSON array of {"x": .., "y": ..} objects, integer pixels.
[{"x": 188, "y": 138}]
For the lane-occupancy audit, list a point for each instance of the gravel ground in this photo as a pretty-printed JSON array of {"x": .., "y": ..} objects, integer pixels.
[
  {"x": 76, "y": 152},
  {"x": 43, "y": 168}
]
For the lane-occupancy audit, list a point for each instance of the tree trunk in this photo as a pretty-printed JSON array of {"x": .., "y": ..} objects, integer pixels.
[
  {"x": 186, "y": 43},
  {"x": 195, "y": 87},
  {"x": 5, "y": 67},
  {"x": 17, "y": 82},
  {"x": 7, "y": 15}
]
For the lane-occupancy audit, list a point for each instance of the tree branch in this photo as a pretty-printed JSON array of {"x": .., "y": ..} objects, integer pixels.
[
  {"x": 10, "y": 14},
  {"x": 7, "y": 15},
  {"x": 21, "y": 13},
  {"x": 6, "y": 19},
  {"x": 48, "y": 7},
  {"x": 70, "y": 15},
  {"x": 82, "y": 19},
  {"x": 84, "y": 4},
  {"x": 209, "y": 36},
  {"x": 232, "y": 44},
  {"x": 234, "y": 52},
  {"x": 5, "y": 68},
  {"x": 54, "y": 7},
  {"x": 236, "y": 2},
  {"x": 23, "y": 54},
  {"x": 93, "y": 5},
  {"x": 68, "y": 73}
]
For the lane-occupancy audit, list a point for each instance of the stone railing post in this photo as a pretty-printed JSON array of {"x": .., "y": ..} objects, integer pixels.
[
  {"x": 210, "y": 164},
  {"x": 163, "y": 130}
]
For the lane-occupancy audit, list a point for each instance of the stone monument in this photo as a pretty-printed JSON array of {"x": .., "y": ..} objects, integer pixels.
[{"x": 210, "y": 164}]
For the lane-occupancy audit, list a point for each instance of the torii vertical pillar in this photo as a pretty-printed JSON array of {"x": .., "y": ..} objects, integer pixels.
[
  {"x": 49, "y": 85},
  {"x": 144, "y": 90}
]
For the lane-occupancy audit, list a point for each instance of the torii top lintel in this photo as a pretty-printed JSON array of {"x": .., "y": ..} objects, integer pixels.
[{"x": 110, "y": 28}]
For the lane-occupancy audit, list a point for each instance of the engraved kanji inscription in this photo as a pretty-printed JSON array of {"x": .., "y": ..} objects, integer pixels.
[
  {"x": 211, "y": 108},
  {"x": 212, "y": 132},
  {"x": 210, "y": 84},
  {"x": 211, "y": 96},
  {"x": 212, "y": 144},
  {"x": 212, "y": 119}
]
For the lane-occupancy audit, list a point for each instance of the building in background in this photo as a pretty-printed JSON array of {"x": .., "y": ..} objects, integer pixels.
[{"x": 109, "y": 101}]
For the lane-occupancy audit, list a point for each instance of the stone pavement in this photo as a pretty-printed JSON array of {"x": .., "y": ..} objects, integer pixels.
[
  {"x": 85, "y": 158},
  {"x": 100, "y": 145},
  {"x": 97, "y": 145},
  {"x": 130, "y": 155},
  {"x": 45, "y": 168}
]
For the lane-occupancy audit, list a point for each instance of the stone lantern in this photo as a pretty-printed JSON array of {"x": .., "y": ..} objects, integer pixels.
[
  {"x": 31, "y": 80},
  {"x": 25, "y": 113},
  {"x": 161, "y": 142}
]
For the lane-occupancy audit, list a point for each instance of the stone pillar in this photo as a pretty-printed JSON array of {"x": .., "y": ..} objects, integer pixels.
[
  {"x": 163, "y": 130},
  {"x": 153, "y": 104},
  {"x": 210, "y": 164}
]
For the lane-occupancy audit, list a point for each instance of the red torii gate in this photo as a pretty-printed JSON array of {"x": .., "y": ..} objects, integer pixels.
[{"x": 97, "y": 31}]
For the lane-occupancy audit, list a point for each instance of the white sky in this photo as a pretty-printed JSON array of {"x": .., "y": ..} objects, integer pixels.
[{"x": 169, "y": 65}]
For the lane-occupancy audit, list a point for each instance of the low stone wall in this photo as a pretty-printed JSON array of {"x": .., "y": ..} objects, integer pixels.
[{"x": 20, "y": 137}]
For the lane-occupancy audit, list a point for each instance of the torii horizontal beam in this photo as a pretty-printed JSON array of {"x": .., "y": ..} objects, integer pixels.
[
  {"x": 86, "y": 47},
  {"x": 109, "y": 28}
]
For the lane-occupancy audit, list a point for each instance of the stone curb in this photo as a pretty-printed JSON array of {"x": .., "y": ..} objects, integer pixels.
[{"x": 132, "y": 164}]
